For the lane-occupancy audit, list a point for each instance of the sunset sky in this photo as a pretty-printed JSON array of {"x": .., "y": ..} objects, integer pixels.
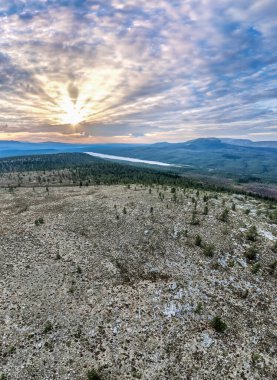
[{"x": 137, "y": 70}]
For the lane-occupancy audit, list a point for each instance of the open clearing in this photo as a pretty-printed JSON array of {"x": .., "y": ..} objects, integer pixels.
[{"x": 111, "y": 278}]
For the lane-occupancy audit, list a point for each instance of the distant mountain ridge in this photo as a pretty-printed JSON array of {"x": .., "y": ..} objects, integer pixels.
[
  {"x": 12, "y": 148},
  {"x": 241, "y": 159}
]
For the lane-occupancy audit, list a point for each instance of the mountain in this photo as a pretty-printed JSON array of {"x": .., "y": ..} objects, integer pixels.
[
  {"x": 243, "y": 160},
  {"x": 245, "y": 142}
]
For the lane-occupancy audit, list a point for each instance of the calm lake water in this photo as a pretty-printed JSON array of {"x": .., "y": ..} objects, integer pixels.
[{"x": 110, "y": 157}]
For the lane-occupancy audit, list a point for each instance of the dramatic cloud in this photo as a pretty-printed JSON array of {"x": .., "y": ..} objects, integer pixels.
[{"x": 136, "y": 70}]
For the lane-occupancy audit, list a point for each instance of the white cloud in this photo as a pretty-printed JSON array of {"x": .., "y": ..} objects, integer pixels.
[{"x": 177, "y": 67}]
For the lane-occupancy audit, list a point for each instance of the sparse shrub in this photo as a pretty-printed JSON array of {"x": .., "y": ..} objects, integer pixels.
[
  {"x": 39, "y": 221},
  {"x": 48, "y": 327},
  {"x": 78, "y": 333},
  {"x": 198, "y": 241},
  {"x": 233, "y": 207},
  {"x": 225, "y": 231},
  {"x": 79, "y": 269},
  {"x": 215, "y": 265},
  {"x": 243, "y": 293},
  {"x": 206, "y": 210},
  {"x": 173, "y": 190},
  {"x": 255, "y": 357},
  {"x": 194, "y": 220},
  {"x": 252, "y": 233},
  {"x": 124, "y": 210},
  {"x": 231, "y": 263},
  {"x": 274, "y": 247},
  {"x": 150, "y": 190},
  {"x": 151, "y": 210},
  {"x": 58, "y": 256},
  {"x": 209, "y": 249},
  {"x": 199, "y": 308},
  {"x": 224, "y": 216},
  {"x": 3, "y": 376},
  {"x": 93, "y": 375},
  {"x": 251, "y": 253},
  {"x": 11, "y": 350},
  {"x": 247, "y": 211},
  {"x": 256, "y": 267},
  {"x": 273, "y": 216},
  {"x": 272, "y": 267},
  {"x": 218, "y": 324}
]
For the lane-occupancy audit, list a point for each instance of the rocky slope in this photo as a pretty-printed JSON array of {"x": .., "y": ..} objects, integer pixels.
[{"x": 128, "y": 282}]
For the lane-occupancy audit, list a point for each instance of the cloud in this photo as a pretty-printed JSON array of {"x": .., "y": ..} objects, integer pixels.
[{"x": 143, "y": 70}]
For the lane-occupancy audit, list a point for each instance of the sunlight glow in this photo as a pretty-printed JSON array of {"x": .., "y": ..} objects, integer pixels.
[{"x": 72, "y": 115}]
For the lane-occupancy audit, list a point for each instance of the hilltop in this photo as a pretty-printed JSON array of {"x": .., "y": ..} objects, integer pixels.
[{"x": 137, "y": 282}]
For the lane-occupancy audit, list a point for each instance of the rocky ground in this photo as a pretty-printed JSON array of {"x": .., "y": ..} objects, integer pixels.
[{"x": 115, "y": 279}]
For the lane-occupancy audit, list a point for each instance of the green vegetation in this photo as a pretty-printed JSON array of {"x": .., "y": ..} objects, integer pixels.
[
  {"x": 39, "y": 221},
  {"x": 209, "y": 249},
  {"x": 272, "y": 267},
  {"x": 252, "y": 233},
  {"x": 251, "y": 253},
  {"x": 11, "y": 350},
  {"x": 199, "y": 308},
  {"x": 93, "y": 375},
  {"x": 198, "y": 241},
  {"x": 256, "y": 267},
  {"x": 194, "y": 220},
  {"x": 48, "y": 327},
  {"x": 224, "y": 216},
  {"x": 206, "y": 210},
  {"x": 81, "y": 169},
  {"x": 218, "y": 324}
]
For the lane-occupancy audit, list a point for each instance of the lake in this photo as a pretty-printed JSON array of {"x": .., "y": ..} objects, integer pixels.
[{"x": 119, "y": 158}]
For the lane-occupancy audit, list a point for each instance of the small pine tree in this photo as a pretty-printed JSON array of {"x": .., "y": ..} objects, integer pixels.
[
  {"x": 198, "y": 241},
  {"x": 206, "y": 210},
  {"x": 93, "y": 375},
  {"x": 252, "y": 233},
  {"x": 251, "y": 253},
  {"x": 218, "y": 324},
  {"x": 209, "y": 250},
  {"x": 224, "y": 216}
]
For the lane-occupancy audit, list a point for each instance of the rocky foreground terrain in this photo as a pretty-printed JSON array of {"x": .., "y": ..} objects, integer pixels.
[{"x": 136, "y": 283}]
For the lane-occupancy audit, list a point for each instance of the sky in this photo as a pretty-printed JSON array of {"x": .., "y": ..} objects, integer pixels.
[{"x": 137, "y": 71}]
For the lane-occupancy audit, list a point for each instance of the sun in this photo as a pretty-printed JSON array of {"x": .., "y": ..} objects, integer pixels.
[{"x": 72, "y": 115}]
